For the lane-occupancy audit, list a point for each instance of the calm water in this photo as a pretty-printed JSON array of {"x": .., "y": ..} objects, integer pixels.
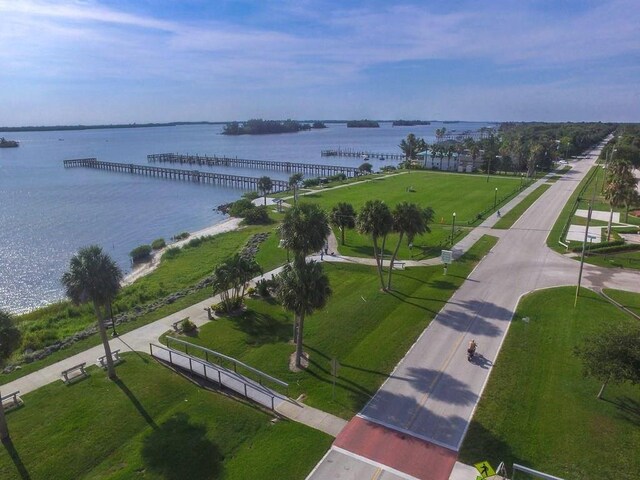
[{"x": 48, "y": 212}]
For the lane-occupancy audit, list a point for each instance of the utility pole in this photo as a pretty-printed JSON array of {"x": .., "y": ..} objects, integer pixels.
[{"x": 584, "y": 246}]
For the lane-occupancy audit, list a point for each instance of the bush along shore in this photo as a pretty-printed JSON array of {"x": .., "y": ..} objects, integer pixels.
[{"x": 29, "y": 355}]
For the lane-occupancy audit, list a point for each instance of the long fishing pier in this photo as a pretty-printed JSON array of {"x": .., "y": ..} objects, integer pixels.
[
  {"x": 340, "y": 152},
  {"x": 235, "y": 181},
  {"x": 257, "y": 164}
]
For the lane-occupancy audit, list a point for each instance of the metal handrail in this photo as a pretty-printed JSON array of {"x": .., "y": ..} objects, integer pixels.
[
  {"x": 230, "y": 359},
  {"x": 205, "y": 364}
]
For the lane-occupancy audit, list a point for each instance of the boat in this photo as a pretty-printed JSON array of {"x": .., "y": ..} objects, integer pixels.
[{"x": 4, "y": 143}]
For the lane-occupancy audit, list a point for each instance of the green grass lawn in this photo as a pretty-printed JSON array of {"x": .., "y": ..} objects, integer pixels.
[
  {"x": 628, "y": 259},
  {"x": 366, "y": 330},
  {"x": 537, "y": 408},
  {"x": 446, "y": 193},
  {"x": 151, "y": 424},
  {"x": 630, "y": 300},
  {"x": 515, "y": 213}
]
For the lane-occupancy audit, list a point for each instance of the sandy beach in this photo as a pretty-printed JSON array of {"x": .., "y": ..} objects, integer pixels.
[{"x": 144, "y": 269}]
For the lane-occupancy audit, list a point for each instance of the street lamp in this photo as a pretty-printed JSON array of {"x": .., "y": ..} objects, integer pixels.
[
  {"x": 453, "y": 227},
  {"x": 495, "y": 199},
  {"x": 113, "y": 322}
]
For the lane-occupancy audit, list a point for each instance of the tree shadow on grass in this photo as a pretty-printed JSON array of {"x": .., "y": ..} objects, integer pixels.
[
  {"x": 263, "y": 329},
  {"x": 628, "y": 408},
  {"x": 15, "y": 457},
  {"x": 136, "y": 403},
  {"x": 179, "y": 450},
  {"x": 483, "y": 444}
]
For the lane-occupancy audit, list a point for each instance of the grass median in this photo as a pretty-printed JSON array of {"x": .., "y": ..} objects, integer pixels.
[
  {"x": 152, "y": 424},
  {"x": 537, "y": 408},
  {"x": 515, "y": 213}
]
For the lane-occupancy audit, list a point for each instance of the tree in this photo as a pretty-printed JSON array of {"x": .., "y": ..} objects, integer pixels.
[
  {"x": 410, "y": 220},
  {"x": 620, "y": 189},
  {"x": 343, "y": 216},
  {"x": 366, "y": 167},
  {"x": 412, "y": 146},
  {"x": 302, "y": 289},
  {"x": 612, "y": 356},
  {"x": 264, "y": 186},
  {"x": 230, "y": 280},
  {"x": 536, "y": 153},
  {"x": 294, "y": 183},
  {"x": 375, "y": 220},
  {"x": 9, "y": 335},
  {"x": 93, "y": 276},
  {"x": 304, "y": 230}
]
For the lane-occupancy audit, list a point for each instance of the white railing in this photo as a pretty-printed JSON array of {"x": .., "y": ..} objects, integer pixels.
[{"x": 223, "y": 377}]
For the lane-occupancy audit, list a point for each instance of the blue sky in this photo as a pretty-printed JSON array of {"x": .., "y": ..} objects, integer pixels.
[{"x": 85, "y": 61}]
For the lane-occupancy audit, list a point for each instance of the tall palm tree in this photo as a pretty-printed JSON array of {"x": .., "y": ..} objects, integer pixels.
[
  {"x": 411, "y": 146},
  {"x": 450, "y": 150},
  {"x": 375, "y": 220},
  {"x": 265, "y": 184},
  {"x": 343, "y": 216},
  {"x": 620, "y": 188},
  {"x": 304, "y": 230},
  {"x": 294, "y": 183},
  {"x": 93, "y": 276},
  {"x": 302, "y": 289},
  {"x": 410, "y": 220}
]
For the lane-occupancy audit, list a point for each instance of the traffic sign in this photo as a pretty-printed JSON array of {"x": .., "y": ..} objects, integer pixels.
[
  {"x": 446, "y": 256},
  {"x": 485, "y": 469}
]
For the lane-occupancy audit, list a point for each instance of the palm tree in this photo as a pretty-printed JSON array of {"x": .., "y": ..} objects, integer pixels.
[
  {"x": 410, "y": 220},
  {"x": 302, "y": 289},
  {"x": 375, "y": 220},
  {"x": 304, "y": 230},
  {"x": 94, "y": 276},
  {"x": 620, "y": 188},
  {"x": 294, "y": 183},
  {"x": 449, "y": 155},
  {"x": 230, "y": 280},
  {"x": 264, "y": 186},
  {"x": 343, "y": 216},
  {"x": 536, "y": 153},
  {"x": 411, "y": 146}
]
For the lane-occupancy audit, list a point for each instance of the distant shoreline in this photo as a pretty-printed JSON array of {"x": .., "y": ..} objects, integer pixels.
[{"x": 63, "y": 128}]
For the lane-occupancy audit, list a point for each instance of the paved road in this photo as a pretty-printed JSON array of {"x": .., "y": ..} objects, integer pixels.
[{"x": 434, "y": 390}]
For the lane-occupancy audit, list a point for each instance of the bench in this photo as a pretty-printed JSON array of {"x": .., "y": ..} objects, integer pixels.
[
  {"x": 74, "y": 373},
  {"x": 115, "y": 357},
  {"x": 11, "y": 401},
  {"x": 398, "y": 265}
]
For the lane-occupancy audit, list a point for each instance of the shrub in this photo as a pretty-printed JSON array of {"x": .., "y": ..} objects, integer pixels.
[
  {"x": 181, "y": 236},
  {"x": 263, "y": 287},
  {"x": 9, "y": 335},
  {"x": 337, "y": 178},
  {"x": 158, "y": 243},
  {"x": 251, "y": 291},
  {"x": 140, "y": 253},
  {"x": 251, "y": 195},
  {"x": 187, "y": 325},
  {"x": 239, "y": 208},
  {"x": 171, "y": 252},
  {"x": 311, "y": 182},
  {"x": 388, "y": 168},
  {"x": 194, "y": 242},
  {"x": 599, "y": 246},
  {"x": 38, "y": 339},
  {"x": 256, "y": 216}
]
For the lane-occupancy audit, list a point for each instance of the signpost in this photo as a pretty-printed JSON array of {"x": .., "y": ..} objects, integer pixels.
[{"x": 447, "y": 257}]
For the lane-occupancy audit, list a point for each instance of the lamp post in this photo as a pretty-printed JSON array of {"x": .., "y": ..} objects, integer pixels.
[
  {"x": 453, "y": 227},
  {"x": 495, "y": 198},
  {"x": 113, "y": 322}
]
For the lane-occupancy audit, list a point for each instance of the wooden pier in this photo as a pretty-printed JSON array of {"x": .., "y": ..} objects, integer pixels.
[
  {"x": 341, "y": 152},
  {"x": 292, "y": 167},
  {"x": 235, "y": 181}
]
